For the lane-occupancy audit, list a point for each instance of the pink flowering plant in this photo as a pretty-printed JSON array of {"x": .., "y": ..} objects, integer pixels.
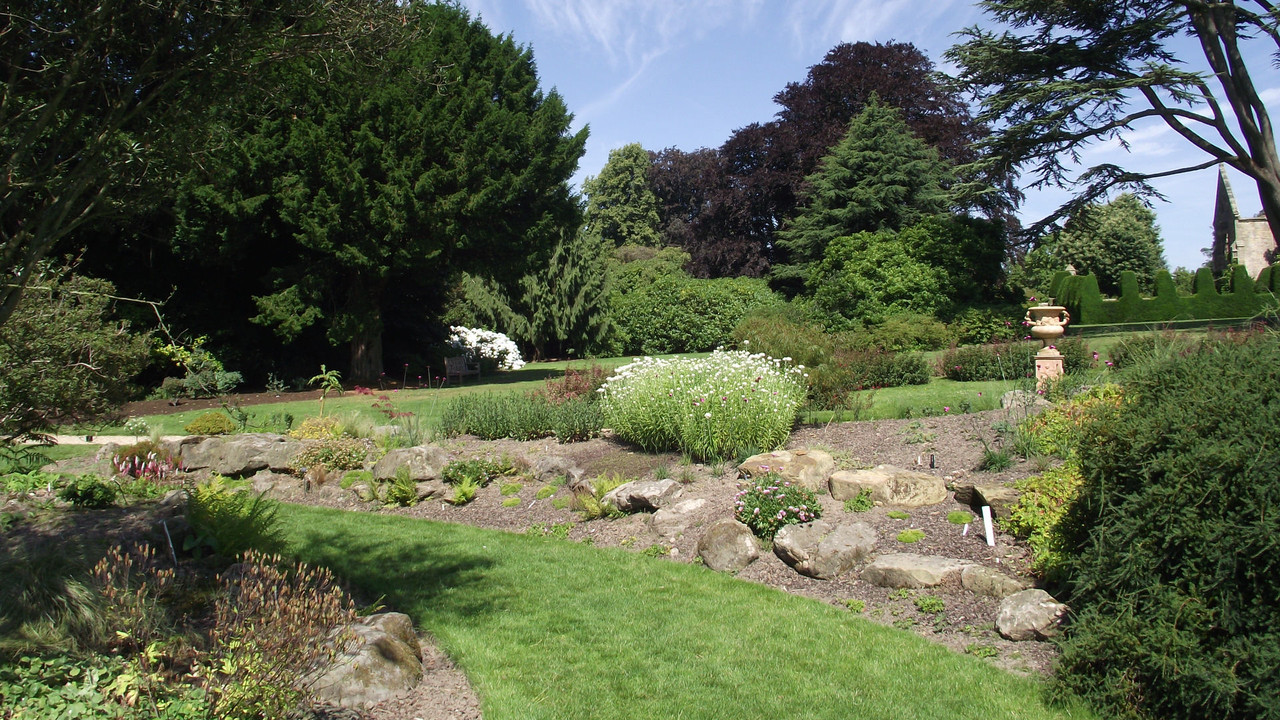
[
  {"x": 710, "y": 408},
  {"x": 768, "y": 502}
]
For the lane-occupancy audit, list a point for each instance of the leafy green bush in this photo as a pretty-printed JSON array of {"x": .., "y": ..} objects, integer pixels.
[
  {"x": 480, "y": 471},
  {"x": 1006, "y": 361},
  {"x": 577, "y": 420},
  {"x": 776, "y": 332},
  {"x": 832, "y": 384},
  {"x": 336, "y": 454},
  {"x": 1038, "y": 514},
  {"x": 708, "y": 408},
  {"x": 211, "y": 423},
  {"x": 986, "y": 325},
  {"x": 1173, "y": 539},
  {"x": 904, "y": 332},
  {"x": 89, "y": 491},
  {"x": 767, "y": 502},
  {"x": 861, "y": 502},
  {"x": 1059, "y": 430},
  {"x": 1137, "y": 348},
  {"x": 677, "y": 314},
  {"x": 490, "y": 416},
  {"x": 227, "y": 519}
]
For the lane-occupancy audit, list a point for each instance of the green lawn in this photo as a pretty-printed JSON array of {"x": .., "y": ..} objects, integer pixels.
[{"x": 553, "y": 629}]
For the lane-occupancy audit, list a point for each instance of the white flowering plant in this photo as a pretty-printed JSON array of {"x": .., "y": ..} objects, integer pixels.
[
  {"x": 710, "y": 408},
  {"x": 768, "y": 502},
  {"x": 486, "y": 345}
]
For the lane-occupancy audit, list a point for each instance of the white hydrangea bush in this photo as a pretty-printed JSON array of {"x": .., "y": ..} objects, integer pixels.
[
  {"x": 487, "y": 344},
  {"x": 710, "y": 408}
]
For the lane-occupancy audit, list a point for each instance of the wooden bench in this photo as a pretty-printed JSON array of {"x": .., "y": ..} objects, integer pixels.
[{"x": 460, "y": 366}]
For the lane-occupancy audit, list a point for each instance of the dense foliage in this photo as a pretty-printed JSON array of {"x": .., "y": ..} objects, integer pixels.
[
  {"x": 1106, "y": 240},
  {"x": 621, "y": 207},
  {"x": 767, "y": 503},
  {"x": 64, "y": 358},
  {"x": 1174, "y": 539}
]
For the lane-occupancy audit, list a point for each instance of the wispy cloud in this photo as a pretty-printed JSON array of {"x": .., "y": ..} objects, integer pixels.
[
  {"x": 634, "y": 32},
  {"x": 820, "y": 24},
  {"x": 1270, "y": 96}
]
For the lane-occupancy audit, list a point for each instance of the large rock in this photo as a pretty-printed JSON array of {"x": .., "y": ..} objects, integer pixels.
[
  {"x": 982, "y": 580},
  {"x": 807, "y": 468},
  {"x": 818, "y": 550},
  {"x": 670, "y": 522},
  {"x": 549, "y": 468},
  {"x": 1001, "y": 498},
  {"x": 1030, "y": 615},
  {"x": 384, "y": 661},
  {"x": 728, "y": 546},
  {"x": 239, "y": 455},
  {"x": 890, "y": 485},
  {"x": 425, "y": 462},
  {"x": 1024, "y": 400},
  {"x": 908, "y": 570},
  {"x": 643, "y": 495}
]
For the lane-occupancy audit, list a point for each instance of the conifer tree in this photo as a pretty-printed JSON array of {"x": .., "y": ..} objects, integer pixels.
[{"x": 621, "y": 206}]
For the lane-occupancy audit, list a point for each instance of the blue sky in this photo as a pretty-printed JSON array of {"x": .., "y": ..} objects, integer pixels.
[{"x": 687, "y": 74}]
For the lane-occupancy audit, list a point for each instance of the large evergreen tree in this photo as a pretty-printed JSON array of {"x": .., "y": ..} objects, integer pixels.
[
  {"x": 1106, "y": 240},
  {"x": 879, "y": 177},
  {"x": 358, "y": 185},
  {"x": 621, "y": 207}
]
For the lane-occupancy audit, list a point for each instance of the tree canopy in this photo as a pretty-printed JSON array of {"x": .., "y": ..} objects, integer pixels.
[
  {"x": 621, "y": 207},
  {"x": 1066, "y": 75},
  {"x": 95, "y": 92},
  {"x": 1105, "y": 240},
  {"x": 348, "y": 194}
]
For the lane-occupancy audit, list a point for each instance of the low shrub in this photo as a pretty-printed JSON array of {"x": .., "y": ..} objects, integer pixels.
[
  {"x": 1037, "y": 515},
  {"x": 849, "y": 371},
  {"x": 905, "y": 332},
  {"x": 402, "y": 491},
  {"x": 145, "y": 460},
  {"x": 211, "y": 423},
  {"x": 708, "y": 408},
  {"x": 89, "y": 491},
  {"x": 479, "y": 471},
  {"x": 986, "y": 325},
  {"x": 776, "y": 332},
  {"x": 318, "y": 428},
  {"x": 767, "y": 503},
  {"x": 1173, "y": 537},
  {"x": 226, "y": 519},
  {"x": 1059, "y": 430},
  {"x": 575, "y": 384},
  {"x": 333, "y": 454},
  {"x": 861, "y": 502},
  {"x": 1005, "y": 361},
  {"x": 589, "y": 502},
  {"x": 490, "y": 416},
  {"x": 676, "y": 314},
  {"x": 577, "y": 420}
]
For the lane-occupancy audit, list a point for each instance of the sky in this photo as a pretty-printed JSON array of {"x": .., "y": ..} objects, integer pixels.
[{"x": 687, "y": 73}]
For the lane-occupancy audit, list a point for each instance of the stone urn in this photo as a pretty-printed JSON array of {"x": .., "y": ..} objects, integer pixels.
[{"x": 1048, "y": 322}]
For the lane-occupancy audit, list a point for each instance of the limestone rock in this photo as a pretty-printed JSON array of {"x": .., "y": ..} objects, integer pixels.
[
  {"x": 433, "y": 488},
  {"x": 909, "y": 570},
  {"x": 238, "y": 455},
  {"x": 808, "y": 469},
  {"x": 266, "y": 481},
  {"x": 890, "y": 485},
  {"x": 728, "y": 545},
  {"x": 550, "y": 467},
  {"x": 818, "y": 550},
  {"x": 385, "y": 661},
  {"x": 643, "y": 495},
  {"x": 1023, "y": 400},
  {"x": 982, "y": 580},
  {"x": 669, "y": 522},
  {"x": 963, "y": 492},
  {"x": 425, "y": 462},
  {"x": 1030, "y": 615},
  {"x": 1001, "y": 498}
]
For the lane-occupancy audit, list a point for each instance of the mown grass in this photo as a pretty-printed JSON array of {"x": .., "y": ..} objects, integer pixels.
[{"x": 554, "y": 629}]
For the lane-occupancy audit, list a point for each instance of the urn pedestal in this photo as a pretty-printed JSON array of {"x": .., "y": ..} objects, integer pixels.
[{"x": 1048, "y": 323}]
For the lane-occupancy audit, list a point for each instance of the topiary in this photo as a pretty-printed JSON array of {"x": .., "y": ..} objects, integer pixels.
[
  {"x": 1173, "y": 540},
  {"x": 211, "y": 423}
]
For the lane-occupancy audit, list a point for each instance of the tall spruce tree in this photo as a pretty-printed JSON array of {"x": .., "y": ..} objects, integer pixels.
[
  {"x": 879, "y": 177},
  {"x": 621, "y": 208}
]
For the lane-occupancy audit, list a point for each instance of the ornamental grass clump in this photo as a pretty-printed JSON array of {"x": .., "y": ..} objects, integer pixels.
[
  {"x": 766, "y": 503},
  {"x": 709, "y": 408}
]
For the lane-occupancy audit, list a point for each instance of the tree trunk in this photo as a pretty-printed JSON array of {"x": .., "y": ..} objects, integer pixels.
[{"x": 366, "y": 352}]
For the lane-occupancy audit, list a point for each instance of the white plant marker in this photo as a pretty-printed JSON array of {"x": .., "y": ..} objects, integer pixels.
[
  {"x": 986, "y": 525},
  {"x": 965, "y": 531}
]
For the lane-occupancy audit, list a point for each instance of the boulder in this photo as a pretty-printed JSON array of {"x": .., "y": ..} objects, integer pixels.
[
  {"x": 890, "y": 485},
  {"x": 550, "y": 467},
  {"x": 818, "y": 550},
  {"x": 433, "y": 488},
  {"x": 807, "y": 468},
  {"x": 670, "y": 522},
  {"x": 963, "y": 492},
  {"x": 1030, "y": 615},
  {"x": 425, "y": 462},
  {"x": 265, "y": 481},
  {"x": 1001, "y": 498},
  {"x": 982, "y": 580},
  {"x": 908, "y": 570},
  {"x": 643, "y": 495},
  {"x": 385, "y": 661},
  {"x": 728, "y": 546},
  {"x": 1023, "y": 400},
  {"x": 239, "y": 455}
]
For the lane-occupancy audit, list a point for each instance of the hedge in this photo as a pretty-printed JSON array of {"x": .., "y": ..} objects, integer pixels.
[{"x": 1246, "y": 298}]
